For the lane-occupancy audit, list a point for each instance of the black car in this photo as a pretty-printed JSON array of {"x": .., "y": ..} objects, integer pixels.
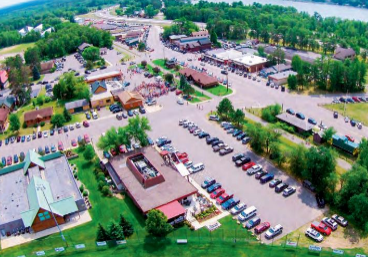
[
  {"x": 124, "y": 115},
  {"x": 308, "y": 185},
  {"x": 39, "y": 134},
  {"x": 203, "y": 134},
  {"x": 280, "y": 187},
  {"x": 224, "y": 72},
  {"x": 209, "y": 140},
  {"x": 142, "y": 110},
  {"x": 241, "y": 136},
  {"x": 113, "y": 106},
  {"x": 336, "y": 114},
  {"x": 52, "y": 132},
  {"x": 237, "y": 133},
  {"x": 117, "y": 109},
  {"x": 342, "y": 99},
  {"x": 130, "y": 113},
  {"x": 163, "y": 142},
  {"x": 216, "y": 142},
  {"x": 65, "y": 128},
  {"x": 320, "y": 201},
  {"x": 237, "y": 156},
  {"x": 242, "y": 161}
]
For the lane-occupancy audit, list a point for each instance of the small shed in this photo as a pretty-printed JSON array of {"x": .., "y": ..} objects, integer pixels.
[
  {"x": 77, "y": 106},
  {"x": 130, "y": 100}
]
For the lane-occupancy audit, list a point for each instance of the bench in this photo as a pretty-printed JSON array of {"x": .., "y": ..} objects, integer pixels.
[{"x": 182, "y": 241}]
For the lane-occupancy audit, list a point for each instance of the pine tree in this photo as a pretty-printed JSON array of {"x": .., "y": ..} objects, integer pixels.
[
  {"x": 102, "y": 234},
  {"x": 36, "y": 73},
  {"x": 127, "y": 227},
  {"x": 115, "y": 231},
  {"x": 67, "y": 115}
]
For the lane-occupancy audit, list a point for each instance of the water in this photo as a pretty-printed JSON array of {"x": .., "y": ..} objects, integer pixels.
[{"x": 325, "y": 10}]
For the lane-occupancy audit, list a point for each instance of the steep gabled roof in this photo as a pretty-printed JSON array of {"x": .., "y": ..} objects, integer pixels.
[
  {"x": 98, "y": 84},
  {"x": 33, "y": 158}
]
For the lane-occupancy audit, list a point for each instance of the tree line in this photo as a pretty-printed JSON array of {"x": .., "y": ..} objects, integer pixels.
[
  {"x": 150, "y": 7},
  {"x": 271, "y": 23},
  {"x": 115, "y": 231}
]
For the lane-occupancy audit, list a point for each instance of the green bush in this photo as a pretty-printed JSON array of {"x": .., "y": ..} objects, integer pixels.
[
  {"x": 269, "y": 113},
  {"x": 106, "y": 191},
  {"x": 47, "y": 99},
  {"x": 85, "y": 193},
  {"x": 101, "y": 184},
  {"x": 35, "y": 125},
  {"x": 24, "y": 125},
  {"x": 42, "y": 123},
  {"x": 81, "y": 188}
]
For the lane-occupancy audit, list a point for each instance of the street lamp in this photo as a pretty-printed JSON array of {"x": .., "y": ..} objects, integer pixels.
[{"x": 43, "y": 188}]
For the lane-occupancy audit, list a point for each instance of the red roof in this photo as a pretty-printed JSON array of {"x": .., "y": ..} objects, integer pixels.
[
  {"x": 172, "y": 209},
  {"x": 3, "y": 76}
]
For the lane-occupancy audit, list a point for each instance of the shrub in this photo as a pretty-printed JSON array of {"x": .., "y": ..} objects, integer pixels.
[
  {"x": 85, "y": 193},
  {"x": 47, "y": 99},
  {"x": 24, "y": 125},
  {"x": 81, "y": 188},
  {"x": 106, "y": 190},
  {"x": 42, "y": 123},
  {"x": 35, "y": 125},
  {"x": 101, "y": 184},
  {"x": 75, "y": 175}
]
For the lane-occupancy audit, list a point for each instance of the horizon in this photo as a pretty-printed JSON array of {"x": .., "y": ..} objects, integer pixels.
[{"x": 6, "y": 3}]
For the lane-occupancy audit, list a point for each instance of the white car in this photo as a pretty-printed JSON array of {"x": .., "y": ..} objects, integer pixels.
[
  {"x": 196, "y": 168},
  {"x": 254, "y": 169},
  {"x": 239, "y": 208},
  {"x": 29, "y": 138},
  {"x": 329, "y": 222},
  {"x": 77, "y": 125},
  {"x": 314, "y": 234},
  {"x": 180, "y": 101},
  {"x": 196, "y": 132},
  {"x": 45, "y": 134},
  {"x": 272, "y": 232}
]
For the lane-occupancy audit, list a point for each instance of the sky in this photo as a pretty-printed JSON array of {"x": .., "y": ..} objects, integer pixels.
[{"x": 4, "y": 3}]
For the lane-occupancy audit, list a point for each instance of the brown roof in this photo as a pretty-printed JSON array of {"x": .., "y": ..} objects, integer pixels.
[
  {"x": 134, "y": 33},
  {"x": 4, "y": 112},
  {"x": 32, "y": 115},
  {"x": 45, "y": 66},
  {"x": 127, "y": 96},
  {"x": 200, "y": 33},
  {"x": 199, "y": 77},
  {"x": 343, "y": 53}
]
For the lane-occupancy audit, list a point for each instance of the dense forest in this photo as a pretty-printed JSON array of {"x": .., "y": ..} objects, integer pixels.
[
  {"x": 151, "y": 7},
  {"x": 271, "y": 23}
]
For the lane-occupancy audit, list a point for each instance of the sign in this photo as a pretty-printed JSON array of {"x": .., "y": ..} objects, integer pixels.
[
  {"x": 103, "y": 243},
  {"x": 59, "y": 249},
  {"x": 40, "y": 253},
  {"x": 337, "y": 251},
  {"x": 292, "y": 244},
  {"x": 80, "y": 246},
  {"x": 121, "y": 242},
  {"x": 360, "y": 255},
  {"x": 315, "y": 248}
]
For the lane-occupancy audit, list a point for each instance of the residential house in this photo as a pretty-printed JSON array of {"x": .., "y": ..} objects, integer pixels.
[
  {"x": 3, "y": 79},
  {"x": 46, "y": 67},
  {"x": 24, "y": 31},
  {"x": 7, "y": 102},
  {"x": 35, "y": 117},
  {"x": 344, "y": 53},
  {"x": 201, "y": 33},
  {"x": 130, "y": 100},
  {"x": 201, "y": 79},
  {"x": 77, "y": 106}
]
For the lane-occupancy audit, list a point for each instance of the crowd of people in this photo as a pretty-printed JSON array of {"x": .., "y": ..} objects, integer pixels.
[{"x": 152, "y": 89}]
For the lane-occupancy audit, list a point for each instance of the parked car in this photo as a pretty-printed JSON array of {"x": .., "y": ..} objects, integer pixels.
[
  {"x": 223, "y": 198},
  {"x": 238, "y": 208},
  {"x": 329, "y": 222},
  {"x": 280, "y": 187},
  {"x": 212, "y": 188},
  {"x": 214, "y": 118},
  {"x": 242, "y": 161},
  {"x": 260, "y": 174},
  {"x": 290, "y": 111},
  {"x": 289, "y": 191},
  {"x": 3, "y": 161},
  {"x": 265, "y": 178},
  {"x": 275, "y": 182},
  {"x": 253, "y": 222},
  {"x": 254, "y": 169},
  {"x": 53, "y": 148},
  {"x": 245, "y": 140},
  {"x": 230, "y": 203},
  {"x": 237, "y": 156},
  {"x": 15, "y": 158},
  {"x": 321, "y": 227},
  {"x": 312, "y": 121},
  {"x": 85, "y": 124},
  {"x": 9, "y": 161},
  {"x": 320, "y": 201},
  {"x": 308, "y": 185},
  {"x": 262, "y": 227},
  {"x": 142, "y": 110},
  {"x": 300, "y": 115},
  {"x": 226, "y": 150},
  {"x": 273, "y": 232},
  {"x": 196, "y": 168},
  {"x": 248, "y": 165},
  {"x": 208, "y": 182},
  {"x": 60, "y": 146},
  {"x": 340, "y": 220},
  {"x": 314, "y": 234},
  {"x": 248, "y": 213},
  {"x": 74, "y": 142},
  {"x": 217, "y": 193},
  {"x": 219, "y": 146}
]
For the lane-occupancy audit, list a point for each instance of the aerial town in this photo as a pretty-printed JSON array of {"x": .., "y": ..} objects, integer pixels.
[{"x": 159, "y": 127}]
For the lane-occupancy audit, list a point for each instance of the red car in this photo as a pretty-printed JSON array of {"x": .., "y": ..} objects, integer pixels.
[
  {"x": 262, "y": 227},
  {"x": 122, "y": 149},
  {"x": 182, "y": 155},
  {"x": 9, "y": 161},
  {"x": 217, "y": 193},
  {"x": 86, "y": 138},
  {"x": 113, "y": 152},
  {"x": 85, "y": 124},
  {"x": 321, "y": 228},
  {"x": 356, "y": 99},
  {"x": 248, "y": 166},
  {"x": 60, "y": 146},
  {"x": 184, "y": 160},
  {"x": 351, "y": 139},
  {"x": 74, "y": 142},
  {"x": 223, "y": 198},
  {"x": 178, "y": 92}
]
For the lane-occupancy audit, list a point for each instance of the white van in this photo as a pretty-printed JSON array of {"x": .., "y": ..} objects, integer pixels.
[{"x": 247, "y": 213}]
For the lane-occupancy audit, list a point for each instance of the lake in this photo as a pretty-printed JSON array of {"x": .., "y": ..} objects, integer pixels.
[{"x": 325, "y": 10}]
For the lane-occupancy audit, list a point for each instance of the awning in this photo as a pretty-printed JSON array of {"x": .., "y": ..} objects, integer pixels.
[{"x": 172, "y": 209}]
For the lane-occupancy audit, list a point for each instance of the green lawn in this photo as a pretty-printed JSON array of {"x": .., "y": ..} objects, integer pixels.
[
  {"x": 16, "y": 49},
  {"x": 357, "y": 111},
  {"x": 219, "y": 90},
  {"x": 198, "y": 97},
  {"x": 150, "y": 70}
]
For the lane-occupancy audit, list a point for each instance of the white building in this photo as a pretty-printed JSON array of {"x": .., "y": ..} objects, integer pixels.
[
  {"x": 39, "y": 28},
  {"x": 24, "y": 31},
  {"x": 281, "y": 78},
  {"x": 250, "y": 63}
]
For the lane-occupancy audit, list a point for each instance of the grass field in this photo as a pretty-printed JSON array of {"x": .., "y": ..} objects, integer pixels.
[
  {"x": 219, "y": 90},
  {"x": 16, "y": 49},
  {"x": 161, "y": 63},
  {"x": 356, "y": 111},
  {"x": 199, "y": 97}
]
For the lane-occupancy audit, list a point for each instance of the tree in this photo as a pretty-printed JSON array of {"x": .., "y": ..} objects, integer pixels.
[
  {"x": 57, "y": 120},
  {"x": 67, "y": 115},
  {"x": 298, "y": 161},
  {"x": 213, "y": 37},
  {"x": 102, "y": 234},
  {"x": 358, "y": 205},
  {"x": 279, "y": 55},
  {"x": 328, "y": 133},
  {"x": 127, "y": 227},
  {"x": 150, "y": 11},
  {"x": 144, "y": 64},
  {"x": 237, "y": 117},
  {"x": 137, "y": 129},
  {"x": 115, "y": 231},
  {"x": 141, "y": 47},
  {"x": 89, "y": 153},
  {"x": 363, "y": 153},
  {"x": 225, "y": 108},
  {"x": 32, "y": 57},
  {"x": 182, "y": 83},
  {"x": 296, "y": 63},
  {"x": 156, "y": 224},
  {"x": 261, "y": 51},
  {"x": 156, "y": 70},
  {"x": 257, "y": 135},
  {"x": 89, "y": 65},
  {"x": 91, "y": 53},
  {"x": 36, "y": 73},
  {"x": 14, "y": 123},
  {"x": 292, "y": 82},
  {"x": 169, "y": 78}
]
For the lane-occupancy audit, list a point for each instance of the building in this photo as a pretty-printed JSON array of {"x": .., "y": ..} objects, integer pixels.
[
  {"x": 133, "y": 34},
  {"x": 4, "y": 113},
  {"x": 49, "y": 30},
  {"x": 150, "y": 183},
  {"x": 130, "y": 100},
  {"x": 223, "y": 56},
  {"x": 201, "y": 33},
  {"x": 98, "y": 87},
  {"x": 249, "y": 63},
  {"x": 344, "y": 53},
  {"x": 77, "y": 106},
  {"x": 7, "y": 102},
  {"x": 199, "y": 78},
  {"x": 300, "y": 125},
  {"x": 46, "y": 67},
  {"x": 82, "y": 47},
  {"x": 194, "y": 44},
  {"x": 34, "y": 190},
  {"x": 101, "y": 94},
  {"x": 39, "y": 28},
  {"x": 170, "y": 64},
  {"x": 79, "y": 20},
  {"x": 281, "y": 78},
  {"x": 103, "y": 26},
  {"x": 108, "y": 76},
  {"x": 35, "y": 117},
  {"x": 275, "y": 69},
  {"x": 132, "y": 41},
  {"x": 174, "y": 38},
  {"x": 3, "y": 79},
  {"x": 24, "y": 31}
]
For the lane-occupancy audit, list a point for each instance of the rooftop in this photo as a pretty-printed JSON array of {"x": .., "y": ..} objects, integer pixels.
[
  {"x": 175, "y": 37},
  {"x": 282, "y": 75},
  {"x": 228, "y": 54},
  {"x": 44, "y": 112},
  {"x": 250, "y": 60},
  {"x": 76, "y": 104},
  {"x": 296, "y": 122},
  {"x": 174, "y": 187},
  {"x": 103, "y": 76}
]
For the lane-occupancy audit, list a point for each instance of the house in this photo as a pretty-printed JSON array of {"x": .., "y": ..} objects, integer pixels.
[
  {"x": 173, "y": 38},
  {"x": 35, "y": 117},
  {"x": 7, "y": 102},
  {"x": 281, "y": 78},
  {"x": 101, "y": 94},
  {"x": 130, "y": 100},
  {"x": 82, "y": 47},
  {"x": 49, "y": 30},
  {"x": 318, "y": 137},
  {"x": 39, "y": 28},
  {"x": 4, "y": 113},
  {"x": 77, "y": 106},
  {"x": 24, "y": 31},
  {"x": 344, "y": 53},
  {"x": 201, "y": 79},
  {"x": 98, "y": 87},
  {"x": 3, "y": 79},
  {"x": 46, "y": 67},
  {"x": 201, "y": 33}
]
